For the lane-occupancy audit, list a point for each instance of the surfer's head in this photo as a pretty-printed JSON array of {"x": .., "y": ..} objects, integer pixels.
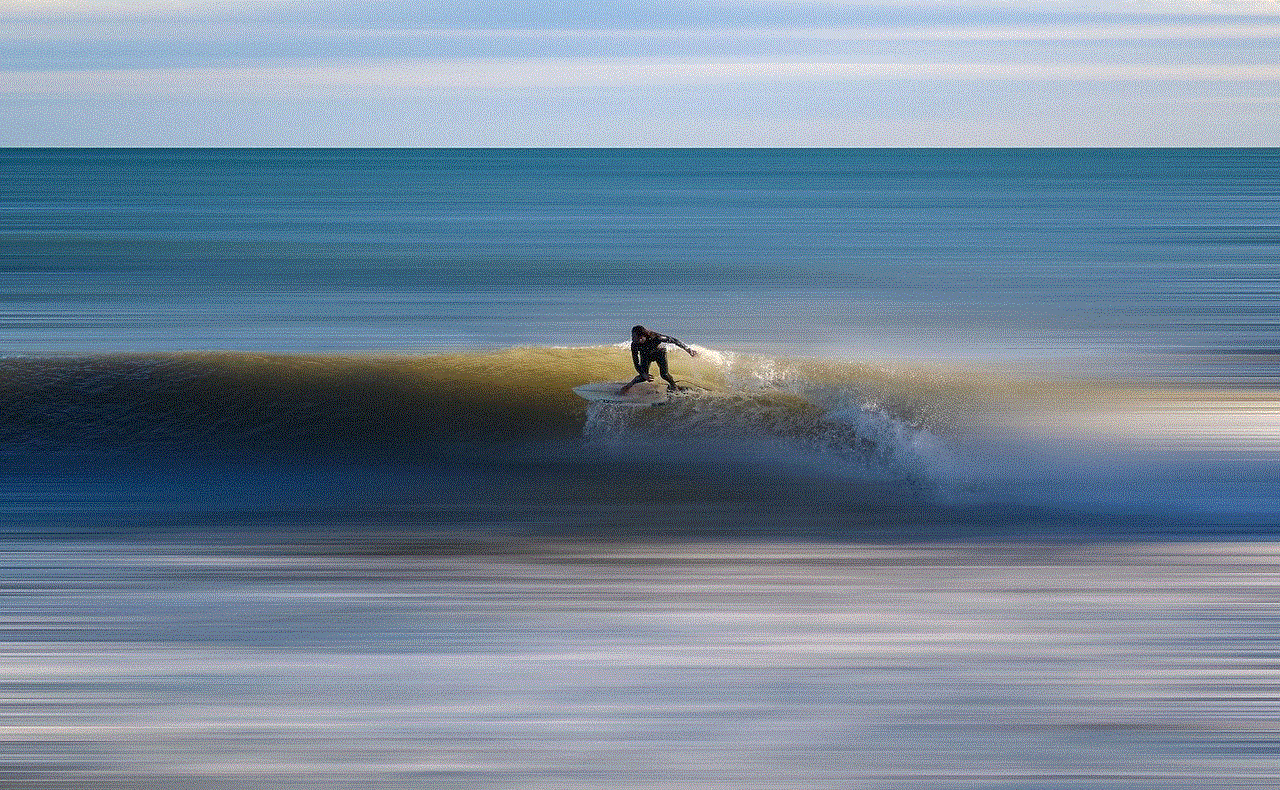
[{"x": 638, "y": 332}]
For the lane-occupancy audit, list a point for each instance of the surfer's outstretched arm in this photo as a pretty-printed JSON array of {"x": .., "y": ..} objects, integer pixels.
[{"x": 673, "y": 341}]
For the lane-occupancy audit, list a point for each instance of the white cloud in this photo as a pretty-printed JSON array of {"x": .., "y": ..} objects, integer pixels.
[
  {"x": 507, "y": 75},
  {"x": 1046, "y": 32},
  {"x": 131, "y": 9},
  {"x": 312, "y": 58},
  {"x": 667, "y": 39}
]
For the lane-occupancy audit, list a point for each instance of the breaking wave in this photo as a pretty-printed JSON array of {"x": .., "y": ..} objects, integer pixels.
[
  {"x": 869, "y": 421},
  {"x": 499, "y": 438}
]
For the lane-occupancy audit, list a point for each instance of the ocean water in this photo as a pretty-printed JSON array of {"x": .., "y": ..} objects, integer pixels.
[
  {"x": 1024, "y": 255},
  {"x": 974, "y": 485}
]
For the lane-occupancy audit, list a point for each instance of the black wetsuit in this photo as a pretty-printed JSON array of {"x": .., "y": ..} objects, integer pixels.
[{"x": 650, "y": 350}]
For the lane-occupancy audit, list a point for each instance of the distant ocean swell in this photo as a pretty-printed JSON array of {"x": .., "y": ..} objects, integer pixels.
[{"x": 870, "y": 421}]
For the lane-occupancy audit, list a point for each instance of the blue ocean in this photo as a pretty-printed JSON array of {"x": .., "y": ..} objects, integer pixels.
[
  {"x": 973, "y": 484},
  {"x": 1030, "y": 256}
]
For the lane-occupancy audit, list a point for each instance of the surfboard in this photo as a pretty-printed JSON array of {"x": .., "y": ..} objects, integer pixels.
[{"x": 646, "y": 393}]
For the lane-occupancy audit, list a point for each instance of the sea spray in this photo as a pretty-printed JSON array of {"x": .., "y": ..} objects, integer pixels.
[{"x": 810, "y": 412}]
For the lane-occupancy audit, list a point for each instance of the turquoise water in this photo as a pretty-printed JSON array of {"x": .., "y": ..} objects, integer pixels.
[{"x": 1035, "y": 257}]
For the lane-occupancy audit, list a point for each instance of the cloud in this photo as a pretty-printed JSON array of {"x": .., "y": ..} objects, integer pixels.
[
  {"x": 530, "y": 59},
  {"x": 1063, "y": 31},
  {"x": 506, "y": 75},
  {"x": 76, "y": 9}
]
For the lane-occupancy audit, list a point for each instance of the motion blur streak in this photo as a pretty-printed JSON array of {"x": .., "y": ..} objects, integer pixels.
[
  {"x": 579, "y": 665},
  {"x": 1159, "y": 261},
  {"x": 973, "y": 484}
]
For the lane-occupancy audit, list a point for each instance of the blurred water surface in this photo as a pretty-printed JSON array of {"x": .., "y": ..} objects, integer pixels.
[
  {"x": 246, "y": 546},
  {"x": 645, "y": 665},
  {"x": 1031, "y": 256}
]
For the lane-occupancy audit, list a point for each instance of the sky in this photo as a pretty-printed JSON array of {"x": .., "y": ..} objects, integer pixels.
[{"x": 616, "y": 73}]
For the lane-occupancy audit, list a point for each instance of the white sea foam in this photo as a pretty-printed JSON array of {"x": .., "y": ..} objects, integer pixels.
[
  {"x": 720, "y": 359},
  {"x": 774, "y": 409},
  {"x": 900, "y": 449}
]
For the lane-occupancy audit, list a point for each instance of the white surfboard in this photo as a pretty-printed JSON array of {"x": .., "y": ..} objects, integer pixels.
[{"x": 646, "y": 393}]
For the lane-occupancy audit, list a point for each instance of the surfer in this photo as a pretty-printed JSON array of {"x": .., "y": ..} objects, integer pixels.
[{"x": 646, "y": 348}]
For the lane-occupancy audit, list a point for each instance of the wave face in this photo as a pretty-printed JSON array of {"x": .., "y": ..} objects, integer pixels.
[
  {"x": 491, "y": 440},
  {"x": 857, "y": 413},
  {"x": 282, "y": 402},
  {"x": 499, "y": 439}
]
